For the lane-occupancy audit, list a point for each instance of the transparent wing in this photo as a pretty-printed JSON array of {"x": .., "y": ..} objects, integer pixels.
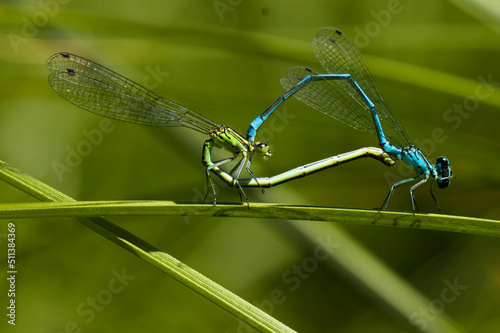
[
  {"x": 100, "y": 90},
  {"x": 337, "y": 98}
]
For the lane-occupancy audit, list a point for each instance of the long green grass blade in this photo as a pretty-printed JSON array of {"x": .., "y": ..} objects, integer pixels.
[
  {"x": 161, "y": 260},
  {"x": 439, "y": 222}
]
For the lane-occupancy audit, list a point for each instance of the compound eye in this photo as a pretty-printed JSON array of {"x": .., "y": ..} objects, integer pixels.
[
  {"x": 444, "y": 172},
  {"x": 442, "y": 162},
  {"x": 263, "y": 149},
  {"x": 262, "y": 145}
]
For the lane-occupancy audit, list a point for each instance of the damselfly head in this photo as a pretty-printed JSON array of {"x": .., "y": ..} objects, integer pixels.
[
  {"x": 444, "y": 172},
  {"x": 263, "y": 149}
]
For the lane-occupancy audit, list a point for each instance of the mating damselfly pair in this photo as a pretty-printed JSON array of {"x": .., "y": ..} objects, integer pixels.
[{"x": 348, "y": 93}]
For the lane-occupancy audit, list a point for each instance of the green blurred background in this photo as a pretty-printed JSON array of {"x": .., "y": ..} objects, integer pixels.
[{"x": 224, "y": 59}]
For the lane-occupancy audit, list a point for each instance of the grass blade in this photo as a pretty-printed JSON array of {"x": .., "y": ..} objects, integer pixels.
[
  {"x": 450, "y": 223},
  {"x": 161, "y": 260}
]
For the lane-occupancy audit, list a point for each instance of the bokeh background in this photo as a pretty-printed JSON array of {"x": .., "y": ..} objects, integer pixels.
[{"x": 224, "y": 59}]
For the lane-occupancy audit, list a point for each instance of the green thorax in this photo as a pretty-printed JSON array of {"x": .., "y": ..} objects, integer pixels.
[
  {"x": 226, "y": 138},
  {"x": 230, "y": 140}
]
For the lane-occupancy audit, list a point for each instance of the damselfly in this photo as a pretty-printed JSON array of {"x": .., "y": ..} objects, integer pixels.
[
  {"x": 100, "y": 90},
  {"x": 350, "y": 95}
]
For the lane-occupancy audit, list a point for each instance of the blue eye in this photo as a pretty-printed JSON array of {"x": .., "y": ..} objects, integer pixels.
[{"x": 444, "y": 172}]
